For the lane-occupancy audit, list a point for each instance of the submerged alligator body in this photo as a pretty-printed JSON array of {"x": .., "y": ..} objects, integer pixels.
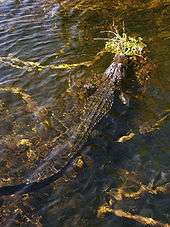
[{"x": 95, "y": 109}]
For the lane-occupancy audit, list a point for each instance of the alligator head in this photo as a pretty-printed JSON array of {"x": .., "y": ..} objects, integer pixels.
[{"x": 116, "y": 71}]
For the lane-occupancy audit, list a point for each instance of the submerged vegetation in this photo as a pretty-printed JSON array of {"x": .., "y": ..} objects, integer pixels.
[
  {"x": 119, "y": 180},
  {"x": 118, "y": 44}
]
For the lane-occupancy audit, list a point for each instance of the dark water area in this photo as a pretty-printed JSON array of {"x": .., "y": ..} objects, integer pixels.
[{"x": 113, "y": 183}]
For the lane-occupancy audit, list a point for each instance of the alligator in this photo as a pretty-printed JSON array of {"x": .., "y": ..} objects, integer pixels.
[{"x": 97, "y": 106}]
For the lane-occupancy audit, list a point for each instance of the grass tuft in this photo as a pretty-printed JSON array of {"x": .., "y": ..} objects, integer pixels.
[{"x": 125, "y": 45}]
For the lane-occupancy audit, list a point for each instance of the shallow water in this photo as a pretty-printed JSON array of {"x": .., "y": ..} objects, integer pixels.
[{"x": 51, "y": 33}]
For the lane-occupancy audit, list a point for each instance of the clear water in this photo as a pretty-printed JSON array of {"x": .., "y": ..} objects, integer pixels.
[{"x": 51, "y": 33}]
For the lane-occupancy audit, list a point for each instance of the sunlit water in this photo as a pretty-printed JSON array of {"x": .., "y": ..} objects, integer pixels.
[{"x": 42, "y": 31}]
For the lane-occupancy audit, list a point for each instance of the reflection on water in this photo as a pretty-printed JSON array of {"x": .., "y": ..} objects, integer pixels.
[{"x": 112, "y": 184}]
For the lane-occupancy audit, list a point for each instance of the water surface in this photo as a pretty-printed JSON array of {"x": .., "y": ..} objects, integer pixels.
[{"x": 51, "y": 33}]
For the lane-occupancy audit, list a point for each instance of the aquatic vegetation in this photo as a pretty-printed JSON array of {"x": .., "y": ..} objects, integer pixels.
[
  {"x": 20, "y": 64},
  {"x": 32, "y": 105},
  {"x": 125, "y": 193},
  {"x": 148, "y": 127},
  {"x": 53, "y": 203},
  {"x": 118, "y": 44},
  {"x": 31, "y": 66},
  {"x": 36, "y": 66},
  {"x": 124, "y": 44},
  {"x": 126, "y": 138},
  {"x": 121, "y": 193},
  {"x": 105, "y": 209},
  {"x": 83, "y": 6},
  {"x": 23, "y": 139}
]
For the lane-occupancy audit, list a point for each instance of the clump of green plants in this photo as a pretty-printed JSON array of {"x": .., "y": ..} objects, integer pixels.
[{"x": 123, "y": 44}]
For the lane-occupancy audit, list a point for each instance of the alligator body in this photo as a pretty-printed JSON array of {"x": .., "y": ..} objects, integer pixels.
[{"x": 95, "y": 109}]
